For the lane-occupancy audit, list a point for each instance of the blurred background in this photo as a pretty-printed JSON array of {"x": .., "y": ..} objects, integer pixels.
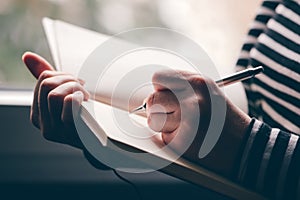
[
  {"x": 32, "y": 166},
  {"x": 218, "y": 26}
]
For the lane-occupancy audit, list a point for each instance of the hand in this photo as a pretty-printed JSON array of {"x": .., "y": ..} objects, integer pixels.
[
  {"x": 57, "y": 97},
  {"x": 181, "y": 108}
]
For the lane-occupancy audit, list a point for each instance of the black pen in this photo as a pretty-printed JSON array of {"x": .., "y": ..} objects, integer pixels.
[{"x": 236, "y": 77}]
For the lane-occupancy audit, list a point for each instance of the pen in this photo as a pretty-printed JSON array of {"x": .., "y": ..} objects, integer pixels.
[{"x": 236, "y": 77}]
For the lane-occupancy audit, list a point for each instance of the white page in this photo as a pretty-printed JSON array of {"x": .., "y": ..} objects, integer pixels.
[
  {"x": 70, "y": 45},
  {"x": 50, "y": 32},
  {"x": 142, "y": 138}
]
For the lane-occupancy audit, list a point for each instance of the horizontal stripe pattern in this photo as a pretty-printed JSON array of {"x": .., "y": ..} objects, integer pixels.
[
  {"x": 280, "y": 48},
  {"x": 265, "y": 160},
  {"x": 286, "y": 162},
  {"x": 270, "y": 160},
  {"x": 244, "y": 160},
  {"x": 282, "y": 98},
  {"x": 275, "y": 163},
  {"x": 293, "y": 175},
  {"x": 275, "y": 44},
  {"x": 283, "y": 40},
  {"x": 275, "y": 67},
  {"x": 281, "y": 29},
  {"x": 289, "y": 121},
  {"x": 277, "y": 57},
  {"x": 255, "y": 156},
  {"x": 288, "y": 13}
]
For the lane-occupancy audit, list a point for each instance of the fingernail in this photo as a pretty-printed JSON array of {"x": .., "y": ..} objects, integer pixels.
[
  {"x": 81, "y": 81},
  {"x": 29, "y": 60},
  {"x": 78, "y": 94},
  {"x": 87, "y": 96},
  {"x": 81, "y": 95},
  {"x": 32, "y": 63}
]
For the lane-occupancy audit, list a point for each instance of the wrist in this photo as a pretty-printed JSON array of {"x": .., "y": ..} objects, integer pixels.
[{"x": 223, "y": 158}]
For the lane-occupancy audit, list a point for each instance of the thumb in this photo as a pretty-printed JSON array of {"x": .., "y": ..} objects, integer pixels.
[{"x": 36, "y": 64}]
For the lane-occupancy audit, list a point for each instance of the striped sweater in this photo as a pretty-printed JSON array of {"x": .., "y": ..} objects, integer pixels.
[{"x": 270, "y": 162}]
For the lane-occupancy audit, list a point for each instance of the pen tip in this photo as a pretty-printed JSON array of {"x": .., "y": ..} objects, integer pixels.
[{"x": 142, "y": 107}]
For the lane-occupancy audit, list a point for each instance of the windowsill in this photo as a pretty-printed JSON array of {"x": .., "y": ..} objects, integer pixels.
[
  {"x": 34, "y": 166},
  {"x": 16, "y": 97}
]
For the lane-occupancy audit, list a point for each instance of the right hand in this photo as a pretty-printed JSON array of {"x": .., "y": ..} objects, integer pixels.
[
  {"x": 181, "y": 108},
  {"x": 57, "y": 99}
]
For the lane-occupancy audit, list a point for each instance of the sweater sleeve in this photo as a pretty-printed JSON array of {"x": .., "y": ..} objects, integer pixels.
[{"x": 270, "y": 162}]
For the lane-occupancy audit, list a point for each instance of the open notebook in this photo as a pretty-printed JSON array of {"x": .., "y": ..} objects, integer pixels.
[{"x": 70, "y": 45}]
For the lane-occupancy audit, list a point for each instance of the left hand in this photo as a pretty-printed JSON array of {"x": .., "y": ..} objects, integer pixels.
[{"x": 57, "y": 99}]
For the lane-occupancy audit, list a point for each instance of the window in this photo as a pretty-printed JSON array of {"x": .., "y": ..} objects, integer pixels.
[{"x": 218, "y": 28}]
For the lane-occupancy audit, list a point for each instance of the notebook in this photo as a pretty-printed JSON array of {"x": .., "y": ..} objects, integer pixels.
[{"x": 70, "y": 46}]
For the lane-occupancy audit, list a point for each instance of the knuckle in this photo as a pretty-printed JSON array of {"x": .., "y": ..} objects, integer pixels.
[
  {"x": 156, "y": 76},
  {"x": 54, "y": 96},
  {"x": 160, "y": 75},
  {"x": 151, "y": 99},
  {"x": 47, "y": 85},
  {"x": 46, "y": 74},
  {"x": 209, "y": 81},
  {"x": 69, "y": 101},
  {"x": 75, "y": 85},
  {"x": 197, "y": 80}
]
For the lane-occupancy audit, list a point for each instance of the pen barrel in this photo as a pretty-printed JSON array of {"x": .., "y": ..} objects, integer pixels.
[
  {"x": 234, "y": 79},
  {"x": 239, "y": 76}
]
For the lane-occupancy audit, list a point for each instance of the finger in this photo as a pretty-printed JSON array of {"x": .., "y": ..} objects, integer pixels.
[
  {"x": 57, "y": 97},
  {"x": 183, "y": 139},
  {"x": 54, "y": 78},
  {"x": 36, "y": 64},
  {"x": 71, "y": 106},
  {"x": 163, "y": 122},
  {"x": 190, "y": 131},
  {"x": 201, "y": 83},
  {"x": 167, "y": 137},
  {"x": 163, "y": 111},
  {"x": 165, "y": 102},
  {"x": 35, "y": 112},
  {"x": 171, "y": 79}
]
